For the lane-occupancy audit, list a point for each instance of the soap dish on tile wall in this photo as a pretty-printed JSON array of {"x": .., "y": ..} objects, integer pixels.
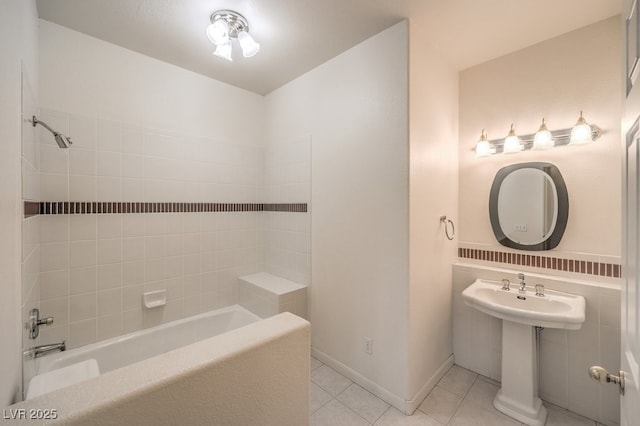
[{"x": 154, "y": 299}]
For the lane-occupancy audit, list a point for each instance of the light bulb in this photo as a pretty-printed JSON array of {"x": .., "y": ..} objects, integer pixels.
[
  {"x": 543, "y": 138},
  {"x": 249, "y": 46},
  {"x": 484, "y": 147},
  {"x": 512, "y": 143},
  {"x": 224, "y": 51},
  {"x": 218, "y": 32},
  {"x": 581, "y": 132}
]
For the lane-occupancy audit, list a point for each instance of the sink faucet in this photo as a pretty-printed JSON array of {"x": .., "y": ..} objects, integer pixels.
[
  {"x": 523, "y": 285},
  {"x": 38, "y": 351}
]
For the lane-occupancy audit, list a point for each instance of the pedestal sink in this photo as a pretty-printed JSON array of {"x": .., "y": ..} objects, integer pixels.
[{"x": 521, "y": 312}]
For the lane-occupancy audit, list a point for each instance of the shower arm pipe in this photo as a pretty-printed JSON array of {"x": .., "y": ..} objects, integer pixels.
[{"x": 35, "y": 122}]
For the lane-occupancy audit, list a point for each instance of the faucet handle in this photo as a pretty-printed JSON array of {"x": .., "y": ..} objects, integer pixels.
[
  {"x": 539, "y": 290},
  {"x": 505, "y": 284},
  {"x": 521, "y": 276}
]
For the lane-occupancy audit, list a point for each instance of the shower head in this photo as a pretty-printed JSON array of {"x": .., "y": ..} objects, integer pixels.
[{"x": 62, "y": 140}]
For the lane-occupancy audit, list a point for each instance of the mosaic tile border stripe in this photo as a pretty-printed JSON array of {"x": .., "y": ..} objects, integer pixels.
[
  {"x": 32, "y": 208},
  {"x": 545, "y": 262}
]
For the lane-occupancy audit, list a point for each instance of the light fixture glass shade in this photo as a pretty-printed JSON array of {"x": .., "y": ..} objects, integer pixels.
[
  {"x": 581, "y": 132},
  {"x": 512, "y": 143},
  {"x": 249, "y": 46},
  {"x": 224, "y": 51},
  {"x": 218, "y": 32},
  {"x": 484, "y": 147},
  {"x": 543, "y": 138}
]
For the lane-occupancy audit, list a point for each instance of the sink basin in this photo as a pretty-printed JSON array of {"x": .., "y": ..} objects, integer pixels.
[{"x": 553, "y": 310}]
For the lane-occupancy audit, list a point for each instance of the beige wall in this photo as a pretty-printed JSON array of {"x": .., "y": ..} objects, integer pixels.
[
  {"x": 18, "y": 51},
  {"x": 433, "y": 192},
  {"x": 354, "y": 107},
  {"x": 554, "y": 79}
]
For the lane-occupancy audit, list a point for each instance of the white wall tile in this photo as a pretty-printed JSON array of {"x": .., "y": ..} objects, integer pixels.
[
  {"x": 82, "y": 227},
  {"x": 82, "y": 253},
  {"x": 56, "y": 308},
  {"x": 83, "y": 132},
  {"x": 82, "y": 161},
  {"x": 109, "y": 251},
  {"x": 133, "y": 249},
  {"x": 82, "y": 307},
  {"x": 132, "y": 190},
  {"x": 54, "y": 284},
  {"x": 109, "y": 188},
  {"x": 109, "y": 326},
  {"x": 110, "y": 164},
  {"x": 154, "y": 247},
  {"x": 82, "y": 280},
  {"x": 54, "y": 187},
  {"x": 133, "y": 225},
  {"x": 132, "y": 140},
  {"x": 109, "y": 226},
  {"x": 109, "y": 136},
  {"x": 82, "y": 333},
  {"x": 110, "y": 275},
  {"x": 54, "y": 228},
  {"x": 132, "y": 166},
  {"x": 109, "y": 302},
  {"x": 53, "y": 159},
  {"x": 133, "y": 273},
  {"x": 132, "y": 297},
  {"x": 54, "y": 256},
  {"x": 82, "y": 188}
]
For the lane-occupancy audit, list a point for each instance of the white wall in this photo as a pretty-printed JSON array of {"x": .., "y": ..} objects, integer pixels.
[
  {"x": 554, "y": 79},
  {"x": 18, "y": 49},
  {"x": 564, "y": 355},
  {"x": 433, "y": 192},
  {"x": 143, "y": 131},
  {"x": 355, "y": 109}
]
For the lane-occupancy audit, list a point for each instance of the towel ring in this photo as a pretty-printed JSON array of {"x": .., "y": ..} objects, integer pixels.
[{"x": 448, "y": 222}]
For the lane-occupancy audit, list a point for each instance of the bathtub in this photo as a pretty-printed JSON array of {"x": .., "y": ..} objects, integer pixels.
[
  {"x": 257, "y": 374},
  {"x": 134, "y": 347}
]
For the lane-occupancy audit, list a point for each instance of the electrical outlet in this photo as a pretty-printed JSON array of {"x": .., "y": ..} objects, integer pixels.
[{"x": 368, "y": 345}]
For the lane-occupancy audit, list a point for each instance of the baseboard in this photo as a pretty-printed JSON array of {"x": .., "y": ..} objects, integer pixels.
[
  {"x": 406, "y": 406},
  {"x": 413, "y": 404}
]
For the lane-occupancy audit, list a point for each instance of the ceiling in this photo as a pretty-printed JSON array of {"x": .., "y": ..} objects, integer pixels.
[{"x": 298, "y": 35}]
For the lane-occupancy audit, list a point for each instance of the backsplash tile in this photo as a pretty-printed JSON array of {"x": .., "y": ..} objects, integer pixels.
[{"x": 588, "y": 267}]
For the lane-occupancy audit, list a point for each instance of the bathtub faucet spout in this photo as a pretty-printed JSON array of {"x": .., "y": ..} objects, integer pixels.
[{"x": 38, "y": 351}]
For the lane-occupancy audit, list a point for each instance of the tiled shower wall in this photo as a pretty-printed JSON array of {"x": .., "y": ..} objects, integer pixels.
[
  {"x": 30, "y": 226},
  {"x": 288, "y": 235},
  {"x": 95, "y": 267}
]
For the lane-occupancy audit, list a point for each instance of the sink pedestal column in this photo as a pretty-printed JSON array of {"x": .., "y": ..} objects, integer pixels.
[{"x": 518, "y": 396}]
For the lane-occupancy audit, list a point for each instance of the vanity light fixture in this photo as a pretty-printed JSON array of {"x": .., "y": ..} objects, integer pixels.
[
  {"x": 484, "y": 147},
  {"x": 543, "y": 138},
  {"x": 512, "y": 142},
  {"x": 581, "y": 132},
  {"x": 227, "y": 25}
]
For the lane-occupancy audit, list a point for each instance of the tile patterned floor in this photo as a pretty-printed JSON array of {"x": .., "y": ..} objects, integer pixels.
[{"x": 461, "y": 398}]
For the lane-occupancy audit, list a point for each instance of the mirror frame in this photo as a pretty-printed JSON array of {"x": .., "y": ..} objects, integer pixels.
[{"x": 554, "y": 238}]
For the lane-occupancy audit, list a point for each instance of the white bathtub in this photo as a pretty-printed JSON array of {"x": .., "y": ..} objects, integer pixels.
[
  {"x": 257, "y": 374},
  {"x": 121, "y": 351}
]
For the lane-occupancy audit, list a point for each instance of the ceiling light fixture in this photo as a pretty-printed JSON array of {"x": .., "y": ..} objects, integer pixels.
[{"x": 227, "y": 25}]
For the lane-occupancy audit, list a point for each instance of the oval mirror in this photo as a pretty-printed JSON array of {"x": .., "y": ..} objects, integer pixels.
[{"x": 529, "y": 206}]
